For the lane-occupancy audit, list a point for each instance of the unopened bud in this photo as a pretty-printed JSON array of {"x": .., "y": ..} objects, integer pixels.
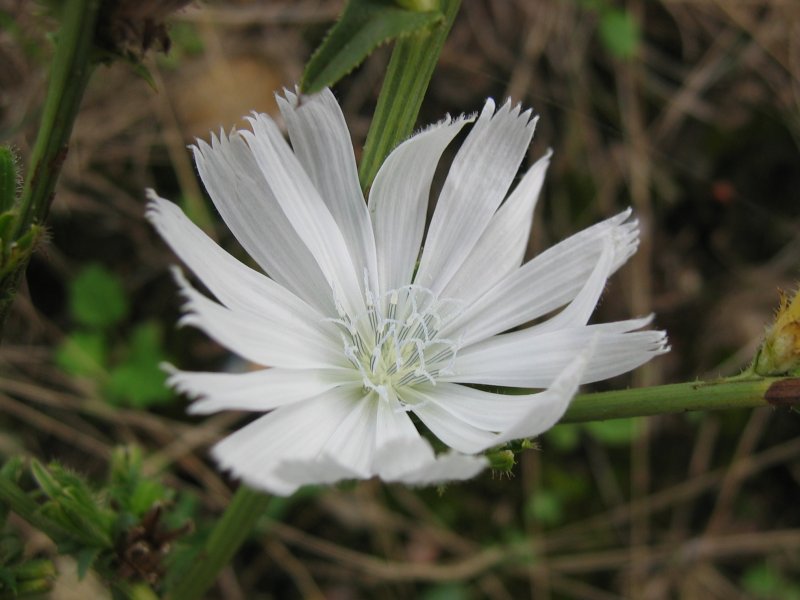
[
  {"x": 780, "y": 352},
  {"x": 501, "y": 460}
]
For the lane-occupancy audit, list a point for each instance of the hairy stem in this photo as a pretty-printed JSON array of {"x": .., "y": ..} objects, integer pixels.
[
  {"x": 69, "y": 74},
  {"x": 734, "y": 392}
]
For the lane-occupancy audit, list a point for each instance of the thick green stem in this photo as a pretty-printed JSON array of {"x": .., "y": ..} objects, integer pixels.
[
  {"x": 736, "y": 392},
  {"x": 229, "y": 534},
  {"x": 410, "y": 68}
]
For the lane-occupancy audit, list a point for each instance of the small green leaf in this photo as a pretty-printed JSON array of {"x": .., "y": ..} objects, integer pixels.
[
  {"x": 545, "y": 507},
  {"x": 139, "y": 380},
  {"x": 363, "y": 26},
  {"x": 9, "y": 179},
  {"x": 85, "y": 558},
  {"x": 83, "y": 353},
  {"x": 620, "y": 33},
  {"x": 97, "y": 298}
]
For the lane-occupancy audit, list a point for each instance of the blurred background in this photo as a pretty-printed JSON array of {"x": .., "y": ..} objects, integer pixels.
[{"x": 686, "y": 110}]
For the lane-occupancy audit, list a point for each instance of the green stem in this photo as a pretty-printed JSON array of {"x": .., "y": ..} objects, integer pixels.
[
  {"x": 229, "y": 534},
  {"x": 72, "y": 66},
  {"x": 735, "y": 392},
  {"x": 410, "y": 68}
]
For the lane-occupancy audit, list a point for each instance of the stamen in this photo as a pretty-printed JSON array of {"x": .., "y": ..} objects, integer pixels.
[{"x": 400, "y": 347}]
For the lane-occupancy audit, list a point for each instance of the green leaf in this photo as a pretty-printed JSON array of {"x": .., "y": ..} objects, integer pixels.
[
  {"x": 83, "y": 353},
  {"x": 363, "y": 26},
  {"x": 139, "y": 380},
  {"x": 96, "y": 298},
  {"x": 85, "y": 558},
  {"x": 620, "y": 33}
]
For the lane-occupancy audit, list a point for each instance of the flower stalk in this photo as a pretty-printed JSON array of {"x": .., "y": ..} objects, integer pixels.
[
  {"x": 722, "y": 394},
  {"x": 71, "y": 69},
  {"x": 407, "y": 77},
  {"x": 228, "y": 535}
]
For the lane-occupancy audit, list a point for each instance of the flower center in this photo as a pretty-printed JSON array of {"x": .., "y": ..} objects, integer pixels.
[{"x": 396, "y": 343}]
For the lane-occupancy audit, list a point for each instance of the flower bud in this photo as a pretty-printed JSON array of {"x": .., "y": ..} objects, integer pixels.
[{"x": 780, "y": 352}]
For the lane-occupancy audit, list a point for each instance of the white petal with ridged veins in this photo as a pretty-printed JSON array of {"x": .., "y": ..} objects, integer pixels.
[
  {"x": 235, "y": 285},
  {"x": 322, "y": 144},
  {"x": 307, "y": 213},
  {"x": 527, "y": 359},
  {"x": 296, "y": 433},
  {"x": 546, "y": 282},
  {"x": 263, "y": 341},
  {"x": 398, "y": 200},
  {"x": 260, "y": 390},
  {"x": 346, "y": 454},
  {"x": 244, "y": 200},
  {"x": 476, "y": 184},
  {"x": 502, "y": 246},
  {"x": 578, "y": 312}
]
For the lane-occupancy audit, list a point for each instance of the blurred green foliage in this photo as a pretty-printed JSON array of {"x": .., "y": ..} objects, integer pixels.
[
  {"x": 764, "y": 581},
  {"x": 20, "y": 575},
  {"x": 618, "y": 29},
  {"x": 127, "y": 371},
  {"x": 185, "y": 43},
  {"x": 97, "y": 298},
  {"x": 122, "y": 529}
]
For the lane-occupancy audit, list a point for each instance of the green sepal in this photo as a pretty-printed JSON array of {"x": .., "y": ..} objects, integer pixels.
[
  {"x": 37, "y": 568},
  {"x": 85, "y": 558},
  {"x": 501, "y": 460},
  {"x": 73, "y": 506},
  {"x": 363, "y": 26}
]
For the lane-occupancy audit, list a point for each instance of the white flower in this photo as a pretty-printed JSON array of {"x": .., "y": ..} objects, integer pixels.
[{"x": 355, "y": 337}]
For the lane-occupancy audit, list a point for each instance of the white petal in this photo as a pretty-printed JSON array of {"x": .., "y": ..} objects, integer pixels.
[
  {"x": 577, "y": 312},
  {"x": 275, "y": 343},
  {"x": 249, "y": 208},
  {"x": 306, "y": 211},
  {"x": 260, "y": 390},
  {"x": 402, "y": 455},
  {"x": 398, "y": 200},
  {"x": 502, "y": 246},
  {"x": 452, "y": 431},
  {"x": 549, "y": 406},
  {"x": 346, "y": 454},
  {"x": 450, "y": 466},
  {"x": 475, "y": 186},
  {"x": 237, "y": 286},
  {"x": 322, "y": 144},
  {"x": 483, "y": 410},
  {"x": 545, "y": 283},
  {"x": 528, "y": 359},
  {"x": 295, "y": 433}
]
